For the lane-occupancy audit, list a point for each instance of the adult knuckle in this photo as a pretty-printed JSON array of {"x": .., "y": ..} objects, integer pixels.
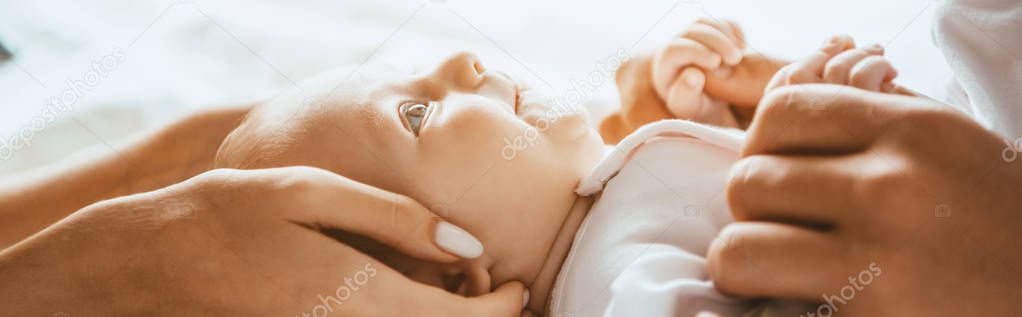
[
  {"x": 405, "y": 213},
  {"x": 779, "y": 102},
  {"x": 285, "y": 183},
  {"x": 216, "y": 180},
  {"x": 746, "y": 177},
  {"x": 879, "y": 187},
  {"x": 214, "y": 176},
  {"x": 924, "y": 117},
  {"x": 301, "y": 179},
  {"x": 728, "y": 255},
  {"x": 218, "y": 188},
  {"x": 916, "y": 128}
]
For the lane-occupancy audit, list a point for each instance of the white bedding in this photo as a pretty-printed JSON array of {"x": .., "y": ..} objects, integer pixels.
[{"x": 182, "y": 55}]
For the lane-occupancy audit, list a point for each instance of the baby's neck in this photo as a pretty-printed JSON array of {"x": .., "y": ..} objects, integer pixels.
[{"x": 544, "y": 282}]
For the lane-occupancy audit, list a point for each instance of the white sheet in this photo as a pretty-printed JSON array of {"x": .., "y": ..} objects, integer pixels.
[
  {"x": 187, "y": 54},
  {"x": 980, "y": 39}
]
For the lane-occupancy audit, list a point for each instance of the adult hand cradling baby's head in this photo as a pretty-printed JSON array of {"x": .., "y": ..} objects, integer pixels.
[{"x": 471, "y": 144}]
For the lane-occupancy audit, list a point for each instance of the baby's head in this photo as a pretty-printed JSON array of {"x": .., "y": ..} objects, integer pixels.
[{"x": 469, "y": 143}]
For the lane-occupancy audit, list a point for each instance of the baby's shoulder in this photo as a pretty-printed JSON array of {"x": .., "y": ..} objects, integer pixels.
[{"x": 668, "y": 146}]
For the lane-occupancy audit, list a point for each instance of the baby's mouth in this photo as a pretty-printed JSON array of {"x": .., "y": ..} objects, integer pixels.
[{"x": 518, "y": 97}]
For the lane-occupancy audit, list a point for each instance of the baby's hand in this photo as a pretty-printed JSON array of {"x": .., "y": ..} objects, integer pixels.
[
  {"x": 697, "y": 76},
  {"x": 840, "y": 62},
  {"x": 681, "y": 68}
]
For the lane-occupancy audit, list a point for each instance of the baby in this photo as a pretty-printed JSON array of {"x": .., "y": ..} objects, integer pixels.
[{"x": 591, "y": 229}]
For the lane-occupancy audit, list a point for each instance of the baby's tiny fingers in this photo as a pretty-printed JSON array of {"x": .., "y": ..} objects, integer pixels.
[
  {"x": 839, "y": 68},
  {"x": 871, "y": 73},
  {"x": 726, "y": 27},
  {"x": 685, "y": 97},
  {"x": 716, "y": 40},
  {"x": 813, "y": 65},
  {"x": 810, "y": 69},
  {"x": 739, "y": 34},
  {"x": 680, "y": 53}
]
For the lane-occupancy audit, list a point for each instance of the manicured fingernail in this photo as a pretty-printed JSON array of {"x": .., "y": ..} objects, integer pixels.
[
  {"x": 525, "y": 298},
  {"x": 457, "y": 241}
]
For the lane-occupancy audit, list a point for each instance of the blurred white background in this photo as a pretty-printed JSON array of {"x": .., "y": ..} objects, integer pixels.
[{"x": 187, "y": 54}]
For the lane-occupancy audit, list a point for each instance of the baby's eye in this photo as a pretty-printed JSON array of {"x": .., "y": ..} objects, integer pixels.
[{"x": 413, "y": 113}]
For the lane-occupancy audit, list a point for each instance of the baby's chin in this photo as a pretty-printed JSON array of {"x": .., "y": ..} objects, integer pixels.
[{"x": 554, "y": 116}]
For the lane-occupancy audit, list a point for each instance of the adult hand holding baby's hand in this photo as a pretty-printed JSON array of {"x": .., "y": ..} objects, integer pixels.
[
  {"x": 242, "y": 242},
  {"x": 709, "y": 68},
  {"x": 697, "y": 76},
  {"x": 872, "y": 204},
  {"x": 708, "y": 48}
]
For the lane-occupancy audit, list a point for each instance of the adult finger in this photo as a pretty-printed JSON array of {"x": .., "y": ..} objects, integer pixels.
[
  {"x": 819, "y": 119},
  {"x": 677, "y": 55},
  {"x": 871, "y": 73},
  {"x": 764, "y": 259},
  {"x": 507, "y": 300},
  {"x": 379, "y": 290},
  {"x": 716, "y": 40},
  {"x": 685, "y": 97},
  {"x": 839, "y": 68},
  {"x": 792, "y": 189},
  {"x": 321, "y": 199}
]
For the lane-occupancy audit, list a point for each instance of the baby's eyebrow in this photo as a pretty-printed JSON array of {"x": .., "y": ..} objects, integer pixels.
[{"x": 372, "y": 118}]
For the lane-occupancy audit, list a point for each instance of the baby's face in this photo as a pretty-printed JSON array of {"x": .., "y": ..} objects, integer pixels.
[{"x": 481, "y": 151}]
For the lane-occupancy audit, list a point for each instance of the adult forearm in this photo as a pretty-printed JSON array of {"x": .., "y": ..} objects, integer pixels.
[{"x": 30, "y": 202}]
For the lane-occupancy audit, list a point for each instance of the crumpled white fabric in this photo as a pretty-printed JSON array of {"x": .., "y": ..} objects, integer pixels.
[
  {"x": 641, "y": 251},
  {"x": 982, "y": 43}
]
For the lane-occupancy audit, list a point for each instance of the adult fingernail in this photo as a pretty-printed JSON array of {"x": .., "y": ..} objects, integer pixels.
[
  {"x": 525, "y": 298},
  {"x": 457, "y": 241}
]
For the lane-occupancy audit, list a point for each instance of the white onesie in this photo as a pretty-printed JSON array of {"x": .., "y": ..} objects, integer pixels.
[{"x": 641, "y": 251}]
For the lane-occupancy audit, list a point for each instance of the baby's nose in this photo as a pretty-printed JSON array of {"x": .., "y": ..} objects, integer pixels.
[{"x": 462, "y": 68}]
